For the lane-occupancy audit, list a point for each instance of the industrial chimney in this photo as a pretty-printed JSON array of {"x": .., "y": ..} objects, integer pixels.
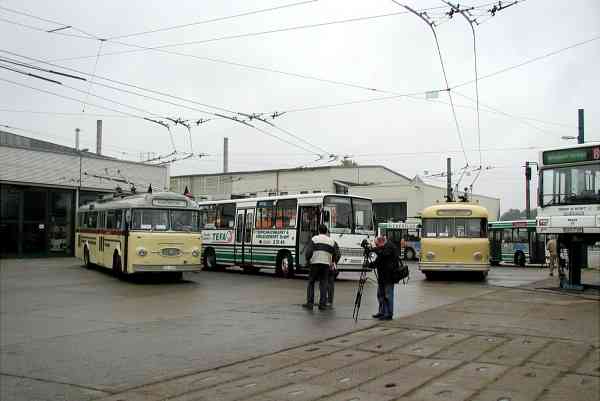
[
  {"x": 99, "y": 137},
  {"x": 226, "y": 155}
]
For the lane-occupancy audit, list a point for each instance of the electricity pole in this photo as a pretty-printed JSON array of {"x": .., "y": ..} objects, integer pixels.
[
  {"x": 527, "y": 189},
  {"x": 449, "y": 196},
  {"x": 580, "y": 136}
]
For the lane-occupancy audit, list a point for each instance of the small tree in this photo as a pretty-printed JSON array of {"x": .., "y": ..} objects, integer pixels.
[{"x": 511, "y": 214}]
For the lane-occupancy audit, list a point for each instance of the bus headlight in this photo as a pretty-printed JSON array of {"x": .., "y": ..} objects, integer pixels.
[
  {"x": 196, "y": 252},
  {"x": 142, "y": 252},
  {"x": 477, "y": 256},
  {"x": 430, "y": 255}
]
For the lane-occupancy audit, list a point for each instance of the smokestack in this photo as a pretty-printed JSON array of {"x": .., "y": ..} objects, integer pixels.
[
  {"x": 77, "y": 138},
  {"x": 225, "y": 155},
  {"x": 98, "y": 137}
]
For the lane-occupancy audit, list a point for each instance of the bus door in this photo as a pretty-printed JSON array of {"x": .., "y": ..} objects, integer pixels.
[
  {"x": 309, "y": 218},
  {"x": 243, "y": 236},
  {"x": 537, "y": 247}
]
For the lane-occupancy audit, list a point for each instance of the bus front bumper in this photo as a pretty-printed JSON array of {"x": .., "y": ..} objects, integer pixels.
[
  {"x": 166, "y": 268},
  {"x": 451, "y": 267}
]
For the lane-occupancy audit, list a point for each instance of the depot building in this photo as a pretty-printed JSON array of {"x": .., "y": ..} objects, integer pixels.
[
  {"x": 396, "y": 197},
  {"x": 42, "y": 184}
]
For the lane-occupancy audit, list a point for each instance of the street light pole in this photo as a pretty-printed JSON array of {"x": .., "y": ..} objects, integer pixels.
[{"x": 79, "y": 182}]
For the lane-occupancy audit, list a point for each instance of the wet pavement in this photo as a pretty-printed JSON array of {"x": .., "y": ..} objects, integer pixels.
[{"x": 71, "y": 333}]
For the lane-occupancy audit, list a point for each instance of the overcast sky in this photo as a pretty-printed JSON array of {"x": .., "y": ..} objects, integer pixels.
[{"x": 534, "y": 104}]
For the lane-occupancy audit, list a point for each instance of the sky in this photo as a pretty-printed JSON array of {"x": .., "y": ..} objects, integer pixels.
[{"x": 321, "y": 72}]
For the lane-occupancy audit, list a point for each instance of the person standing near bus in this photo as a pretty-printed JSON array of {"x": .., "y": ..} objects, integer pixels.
[
  {"x": 320, "y": 254},
  {"x": 552, "y": 248},
  {"x": 387, "y": 258}
]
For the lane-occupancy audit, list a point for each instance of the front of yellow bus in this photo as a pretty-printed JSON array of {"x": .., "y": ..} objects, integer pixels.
[
  {"x": 164, "y": 235},
  {"x": 454, "y": 238}
]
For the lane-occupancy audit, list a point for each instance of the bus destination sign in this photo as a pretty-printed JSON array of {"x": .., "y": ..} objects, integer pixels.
[{"x": 574, "y": 155}]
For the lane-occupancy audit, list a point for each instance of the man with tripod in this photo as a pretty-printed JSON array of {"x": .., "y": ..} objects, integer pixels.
[
  {"x": 387, "y": 258},
  {"x": 321, "y": 252}
]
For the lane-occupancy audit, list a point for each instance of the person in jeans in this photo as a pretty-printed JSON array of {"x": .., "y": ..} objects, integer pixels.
[
  {"x": 320, "y": 254},
  {"x": 387, "y": 256}
]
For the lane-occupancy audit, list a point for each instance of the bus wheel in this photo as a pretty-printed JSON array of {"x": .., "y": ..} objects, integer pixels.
[
  {"x": 117, "y": 265},
  {"x": 430, "y": 275},
  {"x": 482, "y": 275},
  {"x": 285, "y": 266},
  {"x": 86, "y": 258},
  {"x": 210, "y": 259},
  {"x": 520, "y": 259},
  {"x": 409, "y": 254}
]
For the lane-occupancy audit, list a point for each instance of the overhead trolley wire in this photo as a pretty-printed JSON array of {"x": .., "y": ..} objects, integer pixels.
[
  {"x": 166, "y": 101},
  {"x": 210, "y": 20}
]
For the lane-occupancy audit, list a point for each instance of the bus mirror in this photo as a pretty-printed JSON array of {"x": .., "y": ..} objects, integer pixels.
[{"x": 128, "y": 217}]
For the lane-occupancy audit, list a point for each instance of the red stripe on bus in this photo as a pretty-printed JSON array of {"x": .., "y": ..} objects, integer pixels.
[{"x": 100, "y": 231}]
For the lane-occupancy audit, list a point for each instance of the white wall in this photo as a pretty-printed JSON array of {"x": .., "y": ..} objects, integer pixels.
[{"x": 49, "y": 168}]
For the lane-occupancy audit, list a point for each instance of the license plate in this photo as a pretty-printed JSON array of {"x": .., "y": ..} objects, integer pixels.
[
  {"x": 573, "y": 229},
  {"x": 169, "y": 268}
]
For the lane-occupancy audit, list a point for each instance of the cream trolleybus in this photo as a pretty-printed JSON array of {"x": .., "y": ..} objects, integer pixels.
[
  {"x": 273, "y": 232},
  {"x": 151, "y": 232},
  {"x": 454, "y": 239}
]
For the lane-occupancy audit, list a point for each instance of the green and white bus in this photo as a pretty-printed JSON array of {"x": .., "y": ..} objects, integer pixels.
[
  {"x": 273, "y": 232},
  {"x": 516, "y": 242}
]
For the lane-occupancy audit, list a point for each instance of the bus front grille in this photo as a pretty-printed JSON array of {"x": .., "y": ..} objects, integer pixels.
[{"x": 170, "y": 252}]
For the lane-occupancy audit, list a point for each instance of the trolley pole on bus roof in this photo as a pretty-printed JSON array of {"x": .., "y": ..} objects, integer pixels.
[{"x": 449, "y": 196}]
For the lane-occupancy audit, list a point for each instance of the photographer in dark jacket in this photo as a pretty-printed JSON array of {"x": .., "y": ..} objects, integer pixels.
[{"x": 387, "y": 258}]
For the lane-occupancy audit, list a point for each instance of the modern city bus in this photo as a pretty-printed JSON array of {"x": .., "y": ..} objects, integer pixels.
[
  {"x": 454, "y": 239},
  {"x": 569, "y": 197},
  {"x": 273, "y": 232},
  {"x": 406, "y": 236},
  {"x": 151, "y": 232},
  {"x": 516, "y": 242}
]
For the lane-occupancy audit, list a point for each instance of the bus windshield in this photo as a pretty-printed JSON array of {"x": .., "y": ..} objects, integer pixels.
[
  {"x": 363, "y": 215},
  {"x": 184, "y": 220},
  {"x": 570, "y": 185},
  {"x": 343, "y": 221},
  {"x": 454, "y": 227},
  {"x": 163, "y": 220}
]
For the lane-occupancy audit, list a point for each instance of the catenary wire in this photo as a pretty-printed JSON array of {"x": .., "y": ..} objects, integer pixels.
[{"x": 210, "y": 20}]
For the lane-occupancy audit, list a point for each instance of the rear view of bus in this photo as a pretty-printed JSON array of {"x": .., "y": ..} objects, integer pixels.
[{"x": 454, "y": 239}]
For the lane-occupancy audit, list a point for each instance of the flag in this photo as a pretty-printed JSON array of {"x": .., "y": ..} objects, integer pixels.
[
  {"x": 149, "y": 189},
  {"x": 187, "y": 193}
]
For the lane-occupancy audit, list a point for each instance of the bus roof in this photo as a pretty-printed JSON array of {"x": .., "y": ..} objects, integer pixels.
[
  {"x": 512, "y": 224},
  {"x": 170, "y": 200},
  {"x": 455, "y": 209},
  {"x": 302, "y": 199}
]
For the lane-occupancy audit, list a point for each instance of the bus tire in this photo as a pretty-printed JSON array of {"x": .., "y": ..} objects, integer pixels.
[
  {"x": 482, "y": 275},
  {"x": 285, "y": 265},
  {"x": 210, "y": 259},
  {"x": 86, "y": 258},
  {"x": 117, "y": 265},
  {"x": 429, "y": 276},
  {"x": 409, "y": 254},
  {"x": 520, "y": 259}
]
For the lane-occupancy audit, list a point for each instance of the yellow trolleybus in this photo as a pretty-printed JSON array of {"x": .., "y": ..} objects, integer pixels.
[
  {"x": 454, "y": 238},
  {"x": 140, "y": 233}
]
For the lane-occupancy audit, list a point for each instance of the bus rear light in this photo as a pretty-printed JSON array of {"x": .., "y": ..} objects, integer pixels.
[{"x": 430, "y": 255}]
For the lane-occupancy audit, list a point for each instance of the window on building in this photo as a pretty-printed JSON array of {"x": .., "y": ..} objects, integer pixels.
[
  {"x": 340, "y": 189},
  {"x": 389, "y": 211}
]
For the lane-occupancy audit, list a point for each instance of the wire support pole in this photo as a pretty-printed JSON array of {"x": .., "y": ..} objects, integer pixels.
[{"x": 437, "y": 44}]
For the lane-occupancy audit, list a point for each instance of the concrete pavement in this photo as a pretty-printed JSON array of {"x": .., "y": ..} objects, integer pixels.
[{"x": 73, "y": 334}]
